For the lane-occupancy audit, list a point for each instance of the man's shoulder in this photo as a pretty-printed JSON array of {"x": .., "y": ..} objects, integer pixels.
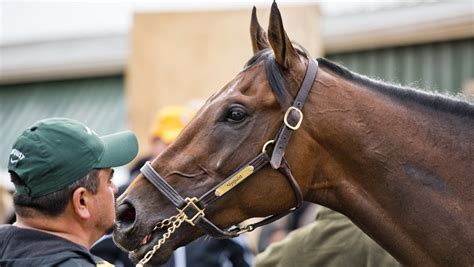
[
  {"x": 5, "y": 228},
  {"x": 60, "y": 259},
  {"x": 19, "y": 247},
  {"x": 6, "y": 232},
  {"x": 80, "y": 262}
]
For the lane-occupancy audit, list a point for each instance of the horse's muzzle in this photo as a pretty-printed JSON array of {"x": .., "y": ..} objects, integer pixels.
[{"x": 126, "y": 217}]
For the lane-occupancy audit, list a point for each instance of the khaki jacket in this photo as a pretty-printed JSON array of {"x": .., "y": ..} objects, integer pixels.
[{"x": 332, "y": 240}]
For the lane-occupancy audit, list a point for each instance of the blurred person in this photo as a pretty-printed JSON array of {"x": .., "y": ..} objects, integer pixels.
[
  {"x": 332, "y": 240},
  {"x": 203, "y": 252},
  {"x": 167, "y": 124},
  {"x": 278, "y": 230},
  {"x": 64, "y": 193},
  {"x": 6, "y": 205}
]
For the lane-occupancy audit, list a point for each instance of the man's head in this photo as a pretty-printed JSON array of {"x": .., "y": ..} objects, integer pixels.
[
  {"x": 57, "y": 161},
  {"x": 168, "y": 123}
]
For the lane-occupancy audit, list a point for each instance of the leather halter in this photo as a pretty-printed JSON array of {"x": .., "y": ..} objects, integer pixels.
[{"x": 193, "y": 208}]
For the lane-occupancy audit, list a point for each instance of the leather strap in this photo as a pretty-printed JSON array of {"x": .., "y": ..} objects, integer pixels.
[
  {"x": 210, "y": 228},
  {"x": 178, "y": 201},
  {"x": 160, "y": 183},
  {"x": 294, "y": 117},
  {"x": 285, "y": 169}
]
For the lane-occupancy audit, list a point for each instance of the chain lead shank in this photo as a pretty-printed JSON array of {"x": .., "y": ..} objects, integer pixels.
[{"x": 175, "y": 222}]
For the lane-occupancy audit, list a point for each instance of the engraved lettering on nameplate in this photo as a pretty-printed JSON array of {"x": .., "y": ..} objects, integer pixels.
[{"x": 235, "y": 180}]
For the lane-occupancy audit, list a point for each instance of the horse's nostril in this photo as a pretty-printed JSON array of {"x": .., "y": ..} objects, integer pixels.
[{"x": 126, "y": 214}]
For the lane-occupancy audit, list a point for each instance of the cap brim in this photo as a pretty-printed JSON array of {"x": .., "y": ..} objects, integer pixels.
[{"x": 119, "y": 149}]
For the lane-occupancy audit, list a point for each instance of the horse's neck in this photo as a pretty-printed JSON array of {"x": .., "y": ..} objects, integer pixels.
[{"x": 401, "y": 173}]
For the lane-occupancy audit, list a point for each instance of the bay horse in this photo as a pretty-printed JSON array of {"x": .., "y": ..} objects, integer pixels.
[{"x": 397, "y": 161}]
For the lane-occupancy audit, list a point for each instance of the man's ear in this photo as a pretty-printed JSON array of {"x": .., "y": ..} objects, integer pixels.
[{"x": 81, "y": 201}]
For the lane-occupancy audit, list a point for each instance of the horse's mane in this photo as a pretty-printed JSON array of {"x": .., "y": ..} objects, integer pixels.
[{"x": 433, "y": 100}]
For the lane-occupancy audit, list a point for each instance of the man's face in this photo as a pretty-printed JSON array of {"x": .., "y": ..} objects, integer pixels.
[{"x": 105, "y": 201}]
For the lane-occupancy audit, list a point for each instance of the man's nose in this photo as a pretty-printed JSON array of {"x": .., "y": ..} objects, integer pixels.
[{"x": 114, "y": 188}]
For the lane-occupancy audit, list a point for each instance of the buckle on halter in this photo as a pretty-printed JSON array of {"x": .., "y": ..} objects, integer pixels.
[
  {"x": 298, "y": 124},
  {"x": 191, "y": 204},
  {"x": 246, "y": 229}
]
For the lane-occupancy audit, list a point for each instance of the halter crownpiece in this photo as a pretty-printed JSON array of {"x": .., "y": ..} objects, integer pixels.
[{"x": 192, "y": 210}]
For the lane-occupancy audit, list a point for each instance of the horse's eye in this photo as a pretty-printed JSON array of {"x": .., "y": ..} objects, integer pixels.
[{"x": 236, "y": 114}]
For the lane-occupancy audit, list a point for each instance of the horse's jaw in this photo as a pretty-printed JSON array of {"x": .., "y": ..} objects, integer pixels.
[
  {"x": 138, "y": 248},
  {"x": 159, "y": 258}
]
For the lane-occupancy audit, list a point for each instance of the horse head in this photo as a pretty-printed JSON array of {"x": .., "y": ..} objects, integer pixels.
[{"x": 227, "y": 132}]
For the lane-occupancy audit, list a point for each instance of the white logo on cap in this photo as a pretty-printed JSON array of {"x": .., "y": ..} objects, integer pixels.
[
  {"x": 16, "y": 153},
  {"x": 89, "y": 131}
]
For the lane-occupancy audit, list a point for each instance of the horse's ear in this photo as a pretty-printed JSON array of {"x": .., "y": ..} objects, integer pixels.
[
  {"x": 281, "y": 44},
  {"x": 257, "y": 34}
]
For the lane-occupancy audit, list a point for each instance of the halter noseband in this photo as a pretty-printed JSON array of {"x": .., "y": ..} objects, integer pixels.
[{"x": 191, "y": 210}]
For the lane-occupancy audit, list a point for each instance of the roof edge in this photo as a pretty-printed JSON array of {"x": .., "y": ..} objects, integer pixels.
[
  {"x": 437, "y": 22},
  {"x": 107, "y": 53}
]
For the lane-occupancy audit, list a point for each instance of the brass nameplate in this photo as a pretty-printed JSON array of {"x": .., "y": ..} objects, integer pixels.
[{"x": 235, "y": 180}]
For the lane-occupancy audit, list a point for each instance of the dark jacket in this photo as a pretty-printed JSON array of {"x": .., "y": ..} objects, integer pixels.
[
  {"x": 26, "y": 247},
  {"x": 203, "y": 252}
]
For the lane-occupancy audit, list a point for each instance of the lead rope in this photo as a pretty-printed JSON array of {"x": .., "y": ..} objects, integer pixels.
[{"x": 174, "y": 222}]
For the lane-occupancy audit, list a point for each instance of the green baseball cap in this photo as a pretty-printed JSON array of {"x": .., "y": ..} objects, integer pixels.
[{"x": 55, "y": 152}]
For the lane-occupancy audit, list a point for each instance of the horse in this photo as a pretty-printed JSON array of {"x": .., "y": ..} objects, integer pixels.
[{"x": 397, "y": 161}]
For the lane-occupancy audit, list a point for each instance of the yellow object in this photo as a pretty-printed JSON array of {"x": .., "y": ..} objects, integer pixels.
[{"x": 169, "y": 121}]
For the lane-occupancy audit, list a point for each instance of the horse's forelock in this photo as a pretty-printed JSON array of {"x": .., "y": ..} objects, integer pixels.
[
  {"x": 277, "y": 82},
  {"x": 275, "y": 75}
]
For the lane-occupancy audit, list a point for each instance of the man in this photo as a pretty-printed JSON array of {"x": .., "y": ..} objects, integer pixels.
[
  {"x": 332, "y": 240},
  {"x": 167, "y": 124},
  {"x": 64, "y": 193}
]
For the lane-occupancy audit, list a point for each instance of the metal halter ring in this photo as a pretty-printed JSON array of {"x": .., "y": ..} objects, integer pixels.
[
  {"x": 285, "y": 119},
  {"x": 266, "y": 144},
  {"x": 191, "y": 203}
]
